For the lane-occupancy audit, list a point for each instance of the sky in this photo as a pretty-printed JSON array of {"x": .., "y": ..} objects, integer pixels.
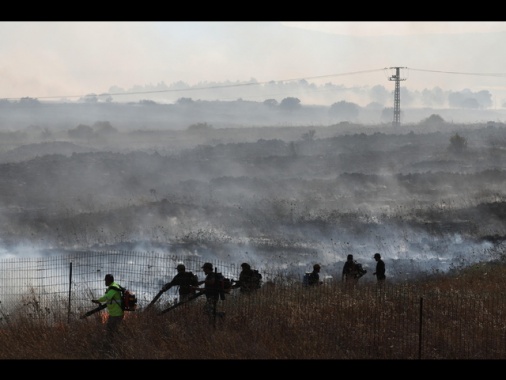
[
  {"x": 72, "y": 59},
  {"x": 413, "y": 28}
]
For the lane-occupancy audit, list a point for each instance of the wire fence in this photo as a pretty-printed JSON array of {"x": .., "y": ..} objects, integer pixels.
[
  {"x": 37, "y": 286},
  {"x": 393, "y": 321}
]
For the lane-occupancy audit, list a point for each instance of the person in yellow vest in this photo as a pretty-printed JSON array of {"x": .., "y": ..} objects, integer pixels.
[{"x": 112, "y": 297}]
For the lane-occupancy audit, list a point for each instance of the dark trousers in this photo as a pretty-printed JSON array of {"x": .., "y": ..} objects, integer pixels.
[{"x": 112, "y": 326}]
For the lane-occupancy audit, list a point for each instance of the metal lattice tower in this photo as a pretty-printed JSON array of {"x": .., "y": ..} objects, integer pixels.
[{"x": 397, "y": 96}]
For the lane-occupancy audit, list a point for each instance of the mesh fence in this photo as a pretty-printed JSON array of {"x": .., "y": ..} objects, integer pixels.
[
  {"x": 62, "y": 287},
  {"x": 393, "y": 321}
]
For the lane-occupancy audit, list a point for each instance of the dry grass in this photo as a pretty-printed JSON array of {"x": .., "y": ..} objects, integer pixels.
[{"x": 455, "y": 316}]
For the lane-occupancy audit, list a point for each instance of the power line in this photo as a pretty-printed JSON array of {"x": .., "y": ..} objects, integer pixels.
[
  {"x": 461, "y": 73},
  {"x": 214, "y": 87},
  {"x": 201, "y": 88},
  {"x": 397, "y": 97}
]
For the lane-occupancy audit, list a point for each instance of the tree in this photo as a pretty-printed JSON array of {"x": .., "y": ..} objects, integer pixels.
[
  {"x": 434, "y": 97},
  {"x": 105, "y": 98},
  {"x": 380, "y": 94},
  {"x": 290, "y": 103},
  {"x": 468, "y": 99},
  {"x": 434, "y": 120},
  {"x": 374, "y": 106},
  {"x": 147, "y": 102},
  {"x": 81, "y": 132},
  {"x": 89, "y": 98},
  {"x": 458, "y": 144},
  {"x": 29, "y": 101},
  {"x": 271, "y": 102},
  {"x": 183, "y": 101},
  {"x": 105, "y": 128},
  {"x": 344, "y": 111},
  {"x": 309, "y": 136}
]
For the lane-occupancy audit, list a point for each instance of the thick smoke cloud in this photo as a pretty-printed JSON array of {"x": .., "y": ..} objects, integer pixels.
[{"x": 281, "y": 198}]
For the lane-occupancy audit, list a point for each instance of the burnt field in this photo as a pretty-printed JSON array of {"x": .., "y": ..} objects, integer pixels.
[{"x": 428, "y": 199}]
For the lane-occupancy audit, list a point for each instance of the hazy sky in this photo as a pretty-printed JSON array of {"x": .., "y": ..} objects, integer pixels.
[
  {"x": 360, "y": 28},
  {"x": 72, "y": 59}
]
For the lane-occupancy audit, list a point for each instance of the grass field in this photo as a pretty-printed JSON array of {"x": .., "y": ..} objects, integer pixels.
[{"x": 459, "y": 315}]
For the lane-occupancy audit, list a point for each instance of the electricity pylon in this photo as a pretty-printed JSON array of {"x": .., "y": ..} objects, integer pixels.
[{"x": 397, "y": 96}]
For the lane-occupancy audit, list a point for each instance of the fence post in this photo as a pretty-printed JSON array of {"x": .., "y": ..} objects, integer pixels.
[
  {"x": 70, "y": 292},
  {"x": 420, "y": 331}
]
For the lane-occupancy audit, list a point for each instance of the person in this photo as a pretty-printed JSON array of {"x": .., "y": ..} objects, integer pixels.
[
  {"x": 211, "y": 291},
  {"x": 314, "y": 276},
  {"x": 247, "y": 282},
  {"x": 112, "y": 297},
  {"x": 380, "y": 268},
  {"x": 350, "y": 272},
  {"x": 185, "y": 280}
]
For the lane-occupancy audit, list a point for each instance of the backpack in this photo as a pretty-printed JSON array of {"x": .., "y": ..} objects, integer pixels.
[
  {"x": 359, "y": 271},
  {"x": 310, "y": 279},
  {"x": 128, "y": 298},
  {"x": 249, "y": 280},
  {"x": 222, "y": 284},
  {"x": 256, "y": 280},
  {"x": 194, "y": 279},
  {"x": 190, "y": 279},
  {"x": 306, "y": 280}
]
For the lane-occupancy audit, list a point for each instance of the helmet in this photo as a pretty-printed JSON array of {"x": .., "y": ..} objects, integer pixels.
[
  {"x": 181, "y": 267},
  {"x": 207, "y": 265},
  {"x": 350, "y": 257},
  {"x": 245, "y": 266},
  {"x": 109, "y": 277},
  {"x": 316, "y": 266},
  {"x": 377, "y": 255}
]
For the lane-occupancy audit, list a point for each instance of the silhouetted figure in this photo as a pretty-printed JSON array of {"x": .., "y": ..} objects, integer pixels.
[
  {"x": 380, "y": 268},
  {"x": 249, "y": 279},
  {"x": 212, "y": 291},
  {"x": 313, "y": 278},
  {"x": 185, "y": 280},
  {"x": 351, "y": 272}
]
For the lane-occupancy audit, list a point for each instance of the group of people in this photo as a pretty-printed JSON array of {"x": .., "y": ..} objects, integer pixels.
[
  {"x": 213, "y": 291},
  {"x": 189, "y": 285},
  {"x": 352, "y": 271}
]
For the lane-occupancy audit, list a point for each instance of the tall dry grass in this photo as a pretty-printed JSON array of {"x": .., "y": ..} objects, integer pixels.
[{"x": 459, "y": 315}]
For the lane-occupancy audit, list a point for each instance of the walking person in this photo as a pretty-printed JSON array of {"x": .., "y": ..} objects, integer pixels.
[
  {"x": 380, "y": 269},
  {"x": 313, "y": 278},
  {"x": 112, "y": 298},
  {"x": 212, "y": 292},
  {"x": 185, "y": 280},
  {"x": 350, "y": 272},
  {"x": 249, "y": 279}
]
